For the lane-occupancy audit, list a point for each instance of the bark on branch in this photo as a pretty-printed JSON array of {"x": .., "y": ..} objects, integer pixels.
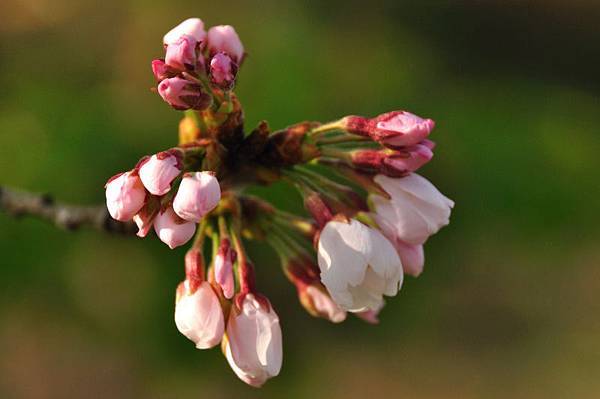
[{"x": 20, "y": 203}]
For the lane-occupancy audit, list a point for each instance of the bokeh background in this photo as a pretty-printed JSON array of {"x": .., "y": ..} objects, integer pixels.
[{"x": 508, "y": 305}]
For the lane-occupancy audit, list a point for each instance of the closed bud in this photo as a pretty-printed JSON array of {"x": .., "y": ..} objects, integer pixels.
[
  {"x": 253, "y": 345},
  {"x": 161, "y": 70},
  {"x": 408, "y": 159},
  {"x": 304, "y": 274},
  {"x": 394, "y": 163},
  {"x": 182, "y": 94},
  {"x": 125, "y": 196},
  {"x": 172, "y": 230},
  {"x": 226, "y": 255},
  {"x": 315, "y": 299},
  {"x": 158, "y": 171},
  {"x": 222, "y": 71},
  {"x": 181, "y": 54},
  {"x": 144, "y": 219},
  {"x": 198, "y": 194},
  {"x": 193, "y": 27},
  {"x": 393, "y": 129},
  {"x": 224, "y": 39},
  {"x": 371, "y": 316},
  {"x": 412, "y": 257},
  {"x": 198, "y": 314}
]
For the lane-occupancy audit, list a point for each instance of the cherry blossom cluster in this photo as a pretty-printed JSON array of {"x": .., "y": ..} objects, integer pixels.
[{"x": 368, "y": 213}]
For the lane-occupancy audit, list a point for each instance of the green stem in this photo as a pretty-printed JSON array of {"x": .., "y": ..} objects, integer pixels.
[
  {"x": 341, "y": 139},
  {"x": 244, "y": 269},
  {"x": 200, "y": 234},
  {"x": 291, "y": 242},
  {"x": 279, "y": 247},
  {"x": 322, "y": 179},
  {"x": 223, "y": 227},
  {"x": 326, "y": 127},
  {"x": 306, "y": 187},
  {"x": 336, "y": 153},
  {"x": 302, "y": 225}
]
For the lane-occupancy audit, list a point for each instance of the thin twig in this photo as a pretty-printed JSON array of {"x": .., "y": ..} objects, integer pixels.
[{"x": 20, "y": 203}]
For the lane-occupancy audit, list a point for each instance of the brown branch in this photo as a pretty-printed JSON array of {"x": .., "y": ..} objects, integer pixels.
[{"x": 20, "y": 203}]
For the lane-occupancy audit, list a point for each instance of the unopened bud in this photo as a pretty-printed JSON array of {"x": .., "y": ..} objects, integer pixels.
[
  {"x": 181, "y": 54},
  {"x": 371, "y": 316},
  {"x": 158, "y": 171},
  {"x": 393, "y": 129},
  {"x": 172, "y": 230},
  {"x": 198, "y": 314},
  {"x": 193, "y": 27},
  {"x": 222, "y": 71},
  {"x": 161, "y": 70},
  {"x": 315, "y": 299},
  {"x": 144, "y": 219},
  {"x": 125, "y": 195},
  {"x": 224, "y": 268},
  {"x": 225, "y": 39},
  {"x": 390, "y": 162},
  {"x": 182, "y": 94},
  {"x": 253, "y": 345},
  {"x": 198, "y": 194}
]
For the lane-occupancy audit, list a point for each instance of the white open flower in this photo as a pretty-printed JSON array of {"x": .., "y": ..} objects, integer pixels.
[
  {"x": 415, "y": 211},
  {"x": 358, "y": 265}
]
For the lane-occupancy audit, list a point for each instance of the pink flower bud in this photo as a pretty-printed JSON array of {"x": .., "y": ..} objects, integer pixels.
[
  {"x": 305, "y": 274},
  {"x": 161, "y": 70},
  {"x": 394, "y": 163},
  {"x": 181, "y": 54},
  {"x": 222, "y": 71},
  {"x": 198, "y": 194},
  {"x": 410, "y": 160},
  {"x": 371, "y": 316},
  {"x": 253, "y": 345},
  {"x": 172, "y": 230},
  {"x": 182, "y": 94},
  {"x": 428, "y": 143},
  {"x": 125, "y": 196},
  {"x": 225, "y": 39},
  {"x": 393, "y": 129},
  {"x": 412, "y": 257},
  {"x": 315, "y": 299},
  {"x": 144, "y": 219},
  {"x": 193, "y": 27},
  {"x": 158, "y": 171},
  {"x": 390, "y": 162},
  {"x": 224, "y": 268},
  {"x": 198, "y": 314}
]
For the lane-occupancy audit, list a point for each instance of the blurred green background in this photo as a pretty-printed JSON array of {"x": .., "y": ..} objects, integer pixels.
[{"x": 508, "y": 305}]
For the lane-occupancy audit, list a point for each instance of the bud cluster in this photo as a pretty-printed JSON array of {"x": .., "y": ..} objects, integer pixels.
[
  {"x": 197, "y": 65},
  {"x": 370, "y": 213},
  {"x": 144, "y": 194}
]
